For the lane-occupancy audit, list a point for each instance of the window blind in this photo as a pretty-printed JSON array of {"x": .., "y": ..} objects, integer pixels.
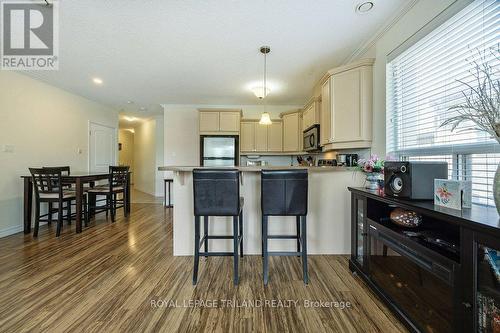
[{"x": 429, "y": 77}]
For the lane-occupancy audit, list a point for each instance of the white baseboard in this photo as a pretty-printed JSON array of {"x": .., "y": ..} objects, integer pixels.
[{"x": 11, "y": 230}]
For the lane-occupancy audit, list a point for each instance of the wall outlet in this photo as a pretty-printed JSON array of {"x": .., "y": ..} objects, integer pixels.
[{"x": 8, "y": 148}]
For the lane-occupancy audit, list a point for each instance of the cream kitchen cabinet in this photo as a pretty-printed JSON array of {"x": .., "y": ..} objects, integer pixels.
[
  {"x": 275, "y": 136},
  {"x": 310, "y": 115},
  {"x": 325, "y": 119},
  {"x": 219, "y": 122},
  {"x": 292, "y": 133},
  {"x": 229, "y": 121},
  {"x": 346, "y": 107},
  {"x": 209, "y": 121},
  {"x": 247, "y": 136},
  {"x": 260, "y": 138}
]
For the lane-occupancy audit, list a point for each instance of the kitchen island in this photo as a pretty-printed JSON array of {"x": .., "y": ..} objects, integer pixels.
[{"x": 328, "y": 228}]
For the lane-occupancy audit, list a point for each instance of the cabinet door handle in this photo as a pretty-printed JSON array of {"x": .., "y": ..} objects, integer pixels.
[{"x": 467, "y": 305}]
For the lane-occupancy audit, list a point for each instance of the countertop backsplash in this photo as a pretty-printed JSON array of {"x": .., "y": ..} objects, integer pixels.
[{"x": 291, "y": 160}]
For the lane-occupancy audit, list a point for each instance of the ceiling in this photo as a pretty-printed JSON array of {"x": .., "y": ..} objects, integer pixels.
[{"x": 205, "y": 51}]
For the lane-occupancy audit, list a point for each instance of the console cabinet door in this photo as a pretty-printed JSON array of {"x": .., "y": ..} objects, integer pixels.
[
  {"x": 485, "y": 284},
  {"x": 359, "y": 240}
]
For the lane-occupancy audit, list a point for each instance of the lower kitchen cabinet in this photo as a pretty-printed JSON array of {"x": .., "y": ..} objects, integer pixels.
[{"x": 442, "y": 276}]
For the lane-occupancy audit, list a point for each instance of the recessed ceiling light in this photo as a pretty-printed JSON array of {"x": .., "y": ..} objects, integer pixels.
[
  {"x": 143, "y": 108},
  {"x": 97, "y": 80},
  {"x": 130, "y": 102},
  {"x": 364, "y": 7}
]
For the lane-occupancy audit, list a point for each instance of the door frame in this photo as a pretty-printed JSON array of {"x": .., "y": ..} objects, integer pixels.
[{"x": 115, "y": 138}]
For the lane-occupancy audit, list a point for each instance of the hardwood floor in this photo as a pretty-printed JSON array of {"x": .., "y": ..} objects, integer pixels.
[{"x": 108, "y": 279}]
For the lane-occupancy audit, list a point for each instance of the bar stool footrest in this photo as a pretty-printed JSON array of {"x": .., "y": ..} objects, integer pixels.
[
  {"x": 205, "y": 238},
  {"x": 283, "y": 254},
  {"x": 283, "y": 237},
  {"x": 216, "y": 254}
]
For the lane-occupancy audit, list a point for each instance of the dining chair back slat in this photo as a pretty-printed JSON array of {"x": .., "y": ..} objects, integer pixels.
[
  {"x": 46, "y": 181},
  {"x": 65, "y": 171},
  {"x": 118, "y": 176}
]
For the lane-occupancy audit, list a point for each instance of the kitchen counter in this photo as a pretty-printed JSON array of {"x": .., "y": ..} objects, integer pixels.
[
  {"x": 258, "y": 168},
  {"x": 328, "y": 216}
]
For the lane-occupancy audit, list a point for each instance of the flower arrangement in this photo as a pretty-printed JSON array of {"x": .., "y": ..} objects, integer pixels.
[{"x": 371, "y": 165}]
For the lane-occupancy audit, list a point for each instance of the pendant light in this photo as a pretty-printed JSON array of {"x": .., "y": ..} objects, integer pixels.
[{"x": 265, "y": 119}]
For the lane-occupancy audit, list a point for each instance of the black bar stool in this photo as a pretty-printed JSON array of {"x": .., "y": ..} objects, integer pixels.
[
  {"x": 284, "y": 193},
  {"x": 217, "y": 193}
]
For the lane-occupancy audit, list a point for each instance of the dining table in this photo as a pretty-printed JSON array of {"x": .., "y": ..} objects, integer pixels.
[{"x": 79, "y": 179}]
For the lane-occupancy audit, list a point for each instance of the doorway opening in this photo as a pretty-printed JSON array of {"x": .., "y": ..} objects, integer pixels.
[{"x": 140, "y": 146}]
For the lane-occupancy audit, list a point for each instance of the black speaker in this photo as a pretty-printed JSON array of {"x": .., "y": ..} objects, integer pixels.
[
  {"x": 397, "y": 181},
  {"x": 413, "y": 180}
]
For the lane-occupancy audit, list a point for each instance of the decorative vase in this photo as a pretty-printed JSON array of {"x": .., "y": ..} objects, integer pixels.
[
  {"x": 496, "y": 188},
  {"x": 372, "y": 181}
]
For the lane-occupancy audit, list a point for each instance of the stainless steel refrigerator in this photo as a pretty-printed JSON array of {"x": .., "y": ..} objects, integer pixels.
[{"x": 219, "y": 150}]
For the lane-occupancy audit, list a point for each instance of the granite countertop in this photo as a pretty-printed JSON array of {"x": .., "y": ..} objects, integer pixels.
[{"x": 258, "y": 168}]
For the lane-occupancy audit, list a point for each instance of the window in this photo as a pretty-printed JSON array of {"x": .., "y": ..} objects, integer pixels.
[{"x": 423, "y": 82}]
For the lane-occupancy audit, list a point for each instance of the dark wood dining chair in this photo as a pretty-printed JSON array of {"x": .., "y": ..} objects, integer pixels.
[
  {"x": 117, "y": 184},
  {"x": 66, "y": 171},
  {"x": 49, "y": 189}
]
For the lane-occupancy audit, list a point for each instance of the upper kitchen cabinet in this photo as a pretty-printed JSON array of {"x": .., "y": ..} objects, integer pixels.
[
  {"x": 292, "y": 131},
  {"x": 346, "y": 106},
  {"x": 256, "y": 138},
  {"x": 310, "y": 116},
  {"x": 247, "y": 136},
  {"x": 325, "y": 119},
  {"x": 219, "y": 122},
  {"x": 275, "y": 136}
]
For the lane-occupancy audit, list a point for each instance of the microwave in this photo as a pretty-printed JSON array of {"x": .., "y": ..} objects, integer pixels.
[{"x": 311, "y": 138}]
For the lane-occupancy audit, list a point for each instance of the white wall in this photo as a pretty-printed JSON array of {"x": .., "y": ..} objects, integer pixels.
[
  {"x": 148, "y": 155},
  {"x": 46, "y": 126},
  {"x": 418, "y": 16},
  {"x": 182, "y": 141}
]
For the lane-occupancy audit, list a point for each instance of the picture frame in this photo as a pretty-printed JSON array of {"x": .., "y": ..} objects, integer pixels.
[{"x": 454, "y": 194}]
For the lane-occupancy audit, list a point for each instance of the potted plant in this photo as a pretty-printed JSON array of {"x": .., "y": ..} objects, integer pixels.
[
  {"x": 374, "y": 169},
  {"x": 482, "y": 101}
]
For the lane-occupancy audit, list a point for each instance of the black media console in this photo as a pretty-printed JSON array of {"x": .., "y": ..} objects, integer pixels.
[{"x": 442, "y": 276}]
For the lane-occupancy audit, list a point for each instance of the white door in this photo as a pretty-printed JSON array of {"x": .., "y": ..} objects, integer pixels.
[{"x": 102, "y": 147}]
